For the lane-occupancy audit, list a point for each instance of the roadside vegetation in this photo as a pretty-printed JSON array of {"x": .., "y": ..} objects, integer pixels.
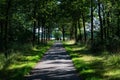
[
  {"x": 21, "y": 61},
  {"x": 26, "y": 24},
  {"x": 94, "y": 66}
]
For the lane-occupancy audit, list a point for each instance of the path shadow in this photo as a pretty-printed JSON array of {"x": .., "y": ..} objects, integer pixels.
[
  {"x": 55, "y": 65},
  {"x": 54, "y": 75}
]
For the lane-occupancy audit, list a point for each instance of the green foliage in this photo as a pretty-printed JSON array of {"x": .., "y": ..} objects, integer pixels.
[
  {"x": 17, "y": 18},
  {"x": 57, "y": 34},
  {"x": 94, "y": 67},
  {"x": 113, "y": 44},
  {"x": 21, "y": 61},
  {"x": 97, "y": 46},
  {"x": 113, "y": 60}
]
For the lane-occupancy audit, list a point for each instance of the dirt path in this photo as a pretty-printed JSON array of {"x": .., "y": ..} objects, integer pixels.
[{"x": 55, "y": 65}]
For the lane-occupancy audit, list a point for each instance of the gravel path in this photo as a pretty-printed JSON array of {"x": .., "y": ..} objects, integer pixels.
[{"x": 55, "y": 65}]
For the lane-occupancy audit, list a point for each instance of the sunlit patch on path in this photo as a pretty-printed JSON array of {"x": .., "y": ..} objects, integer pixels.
[{"x": 55, "y": 65}]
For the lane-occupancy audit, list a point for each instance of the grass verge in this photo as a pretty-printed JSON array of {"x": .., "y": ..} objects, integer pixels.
[
  {"x": 21, "y": 61},
  {"x": 90, "y": 66}
]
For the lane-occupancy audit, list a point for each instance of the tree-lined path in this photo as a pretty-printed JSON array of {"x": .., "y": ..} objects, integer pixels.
[{"x": 55, "y": 65}]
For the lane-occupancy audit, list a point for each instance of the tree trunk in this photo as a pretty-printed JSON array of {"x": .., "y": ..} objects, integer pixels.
[
  {"x": 45, "y": 34},
  {"x": 49, "y": 33},
  {"x": 75, "y": 24},
  {"x": 91, "y": 21},
  {"x": 104, "y": 23},
  {"x": 63, "y": 32},
  {"x": 84, "y": 27},
  {"x": 108, "y": 25},
  {"x": 38, "y": 32},
  {"x": 42, "y": 32},
  {"x": 1, "y": 35},
  {"x": 80, "y": 34},
  {"x": 71, "y": 32},
  {"x": 118, "y": 26},
  {"x": 34, "y": 26},
  {"x": 7, "y": 27},
  {"x": 100, "y": 19}
]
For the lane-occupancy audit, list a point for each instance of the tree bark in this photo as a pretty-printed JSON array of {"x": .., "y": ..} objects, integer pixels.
[
  {"x": 100, "y": 20},
  {"x": 63, "y": 32},
  {"x": 1, "y": 35},
  {"x": 75, "y": 24},
  {"x": 34, "y": 23},
  {"x": 71, "y": 32},
  {"x": 7, "y": 27},
  {"x": 43, "y": 31},
  {"x": 38, "y": 32},
  {"x": 84, "y": 27},
  {"x": 80, "y": 34},
  {"x": 104, "y": 23},
  {"x": 108, "y": 25},
  {"x": 91, "y": 21},
  {"x": 118, "y": 26}
]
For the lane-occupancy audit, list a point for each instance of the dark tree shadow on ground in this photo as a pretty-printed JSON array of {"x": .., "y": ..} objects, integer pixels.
[
  {"x": 93, "y": 70},
  {"x": 12, "y": 73},
  {"x": 55, "y": 65},
  {"x": 19, "y": 72}
]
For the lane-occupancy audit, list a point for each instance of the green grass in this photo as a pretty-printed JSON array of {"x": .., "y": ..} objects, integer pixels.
[
  {"x": 103, "y": 66},
  {"x": 21, "y": 61}
]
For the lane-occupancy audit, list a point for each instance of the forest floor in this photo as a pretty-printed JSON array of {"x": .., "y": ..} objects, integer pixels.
[
  {"x": 94, "y": 66},
  {"x": 21, "y": 60},
  {"x": 74, "y": 62},
  {"x": 55, "y": 65}
]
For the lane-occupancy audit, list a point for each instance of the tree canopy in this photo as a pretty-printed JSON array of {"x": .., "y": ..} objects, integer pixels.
[{"x": 20, "y": 19}]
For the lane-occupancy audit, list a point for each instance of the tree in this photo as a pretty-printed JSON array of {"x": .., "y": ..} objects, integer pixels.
[
  {"x": 100, "y": 20},
  {"x": 92, "y": 21},
  {"x": 57, "y": 34}
]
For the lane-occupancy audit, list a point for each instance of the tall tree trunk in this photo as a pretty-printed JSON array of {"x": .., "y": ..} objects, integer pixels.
[
  {"x": 45, "y": 31},
  {"x": 71, "y": 32},
  {"x": 42, "y": 32},
  {"x": 84, "y": 26},
  {"x": 34, "y": 26},
  {"x": 38, "y": 32},
  {"x": 45, "y": 34},
  {"x": 108, "y": 25},
  {"x": 1, "y": 35},
  {"x": 63, "y": 33},
  {"x": 49, "y": 33},
  {"x": 118, "y": 26},
  {"x": 80, "y": 34},
  {"x": 100, "y": 19},
  {"x": 7, "y": 27},
  {"x": 104, "y": 23},
  {"x": 91, "y": 21},
  {"x": 1, "y": 30},
  {"x": 75, "y": 24}
]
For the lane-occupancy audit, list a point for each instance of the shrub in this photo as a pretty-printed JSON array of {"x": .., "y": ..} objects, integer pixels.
[
  {"x": 113, "y": 44},
  {"x": 97, "y": 46}
]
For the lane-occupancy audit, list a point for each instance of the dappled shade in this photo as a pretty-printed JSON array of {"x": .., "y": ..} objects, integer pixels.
[{"x": 55, "y": 65}]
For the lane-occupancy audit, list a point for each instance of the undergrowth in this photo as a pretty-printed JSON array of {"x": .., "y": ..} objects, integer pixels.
[
  {"x": 103, "y": 66},
  {"x": 21, "y": 61}
]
